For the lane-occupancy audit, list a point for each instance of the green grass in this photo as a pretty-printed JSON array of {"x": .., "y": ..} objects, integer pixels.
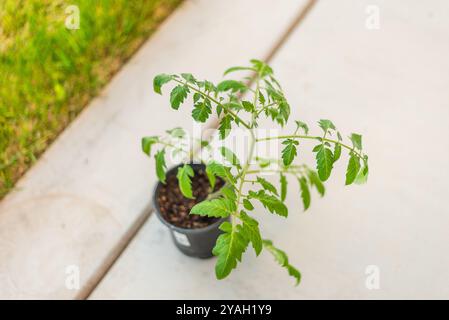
[{"x": 48, "y": 73}]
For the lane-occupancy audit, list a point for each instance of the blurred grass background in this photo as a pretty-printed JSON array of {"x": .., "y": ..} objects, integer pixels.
[{"x": 48, "y": 73}]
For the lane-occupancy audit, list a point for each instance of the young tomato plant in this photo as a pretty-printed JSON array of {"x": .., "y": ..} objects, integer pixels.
[{"x": 266, "y": 99}]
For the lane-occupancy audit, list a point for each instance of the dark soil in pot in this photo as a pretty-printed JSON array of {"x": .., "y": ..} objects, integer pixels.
[
  {"x": 194, "y": 235},
  {"x": 175, "y": 208}
]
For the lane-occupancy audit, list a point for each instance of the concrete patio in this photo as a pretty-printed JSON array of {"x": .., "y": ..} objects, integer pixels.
[{"x": 87, "y": 200}]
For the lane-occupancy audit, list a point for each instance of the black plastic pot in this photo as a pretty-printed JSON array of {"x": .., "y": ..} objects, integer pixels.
[{"x": 192, "y": 242}]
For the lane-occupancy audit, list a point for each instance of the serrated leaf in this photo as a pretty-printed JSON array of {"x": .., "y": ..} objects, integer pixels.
[
  {"x": 229, "y": 249},
  {"x": 233, "y": 69},
  {"x": 209, "y": 86},
  {"x": 248, "y": 205},
  {"x": 159, "y": 81},
  {"x": 292, "y": 271},
  {"x": 305, "y": 192},
  {"x": 248, "y": 106},
  {"x": 282, "y": 258},
  {"x": 303, "y": 126},
  {"x": 251, "y": 230},
  {"x": 283, "y": 181},
  {"x": 211, "y": 176},
  {"x": 147, "y": 142},
  {"x": 267, "y": 185},
  {"x": 225, "y": 127},
  {"x": 289, "y": 152},
  {"x": 273, "y": 204},
  {"x": 284, "y": 111},
  {"x": 316, "y": 182},
  {"x": 230, "y": 156},
  {"x": 362, "y": 176},
  {"x": 356, "y": 140},
  {"x": 178, "y": 95},
  {"x": 317, "y": 147},
  {"x": 325, "y": 160},
  {"x": 188, "y": 77},
  {"x": 261, "y": 98},
  {"x": 352, "y": 169},
  {"x": 337, "y": 152},
  {"x": 228, "y": 192},
  {"x": 221, "y": 171},
  {"x": 219, "y": 208},
  {"x": 326, "y": 124},
  {"x": 339, "y": 136},
  {"x": 261, "y": 67},
  {"x": 185, "y": 183},
  {"x": 160, "y": 165},
  {"x": 201, "y": 111},
  {"x": 196, "y": 97},
  {"x": 232, "y": 85},
  {"x": 177, "y": 132}
]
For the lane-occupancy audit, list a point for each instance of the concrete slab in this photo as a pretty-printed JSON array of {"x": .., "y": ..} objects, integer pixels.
[{"x": 388, "y": 84}]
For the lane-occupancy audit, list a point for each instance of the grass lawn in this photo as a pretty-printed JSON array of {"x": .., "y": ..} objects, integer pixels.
[{"x": 48, "y": 73}]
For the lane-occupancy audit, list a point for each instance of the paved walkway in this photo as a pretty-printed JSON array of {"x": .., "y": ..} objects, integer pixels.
[{"x": 86, "y": 202}]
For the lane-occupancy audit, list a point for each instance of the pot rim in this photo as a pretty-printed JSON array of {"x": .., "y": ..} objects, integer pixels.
[{"x": 168, "y": 224}]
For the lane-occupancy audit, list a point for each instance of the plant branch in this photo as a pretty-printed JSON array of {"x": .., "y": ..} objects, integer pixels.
[{"x": 295, "y": 136}]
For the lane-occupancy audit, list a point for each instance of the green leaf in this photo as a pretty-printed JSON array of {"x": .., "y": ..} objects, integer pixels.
[
  {"x": 267, "y": 185},
  {"x": 316, "y": 182},
  {"x": 317, "y": 147},
  {"x": 292, "y": 271},
  {"x": 201, "y": 111},
  {"x": 362, "y": 176},
  {"x": 230, "y": 156},
  {"x": 261, "y": 98},
  {"x": 284, "y": 111},
  {"x": 178, "y": 95},
  {"x": 325, "y": 162},
  {"x": 211, "y": 176},
  {"x": 228, "y": 192},
  {"x": 326, "y": 124},
  {"x": 219, "y": 208},
  {"x": 185, "y": 183},
  {"x": 160, "y": 165},
  {"x": 221, "y": 171},
  {"x": 273, "y": 204},
  {"x": 261, "y": 67},
  {"x": 251, "y": 229},
  {"x": 337, "y": 152},
  {"x": 248, "y": 205},
  {"x": 229, "y": 249},
  {"x": 159, "y": 81},
  {"x": 305, "y": 192},
  {"x": 248, "y": 106},
  {"x": 233, "y": 85},
  {"x": 282, "y": 258},
  {"x": 188, "y": 77},
  {"x": 356, "y": 140},
  {"x": 233, "y": 69},
  {"x": 177, "y": 132},
  {"x": 352, "y": 169},
  {"x": 147, "y": 142},
  {"x": 283, "y": 181},
  {"x": 225, "y": 127},
  {"x": 289, "y": 152},
  {"x": 339, "y": 136},
  {"x": 303, "y": 126}
]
